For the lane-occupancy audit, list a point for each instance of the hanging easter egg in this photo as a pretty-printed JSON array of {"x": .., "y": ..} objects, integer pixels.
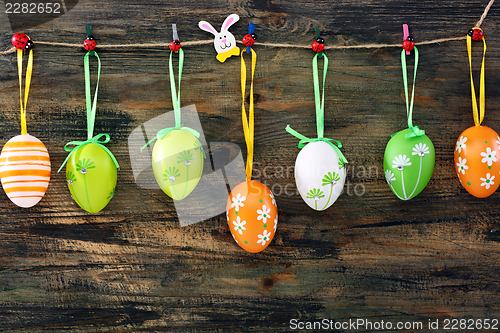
[
  {"x": 319, "y": 175},
  {"x": 25, "y": 170},
  {"x": 408, "y": 164},
  {"x": 178, "y": 163},
  {"x": 91, "y": 176},
  {"x": 252, "y": 215},
  {"x": 477, "y": 160}
]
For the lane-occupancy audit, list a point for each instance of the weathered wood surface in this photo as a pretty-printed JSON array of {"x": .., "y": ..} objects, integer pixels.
[{"x": 132, "y": 268}]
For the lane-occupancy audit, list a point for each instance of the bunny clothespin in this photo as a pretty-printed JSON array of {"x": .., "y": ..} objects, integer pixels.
[{"x": 224, "y": 42}]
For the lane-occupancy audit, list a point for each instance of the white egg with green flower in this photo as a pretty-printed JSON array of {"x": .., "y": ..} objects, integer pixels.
[{"x": 319, "y": 175}]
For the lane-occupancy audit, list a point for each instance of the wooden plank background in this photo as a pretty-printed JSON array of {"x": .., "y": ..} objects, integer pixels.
[{"x": 133, "y": 268}]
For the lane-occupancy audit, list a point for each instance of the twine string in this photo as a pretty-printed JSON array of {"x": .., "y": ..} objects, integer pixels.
[{"x": 271, "y": 45}]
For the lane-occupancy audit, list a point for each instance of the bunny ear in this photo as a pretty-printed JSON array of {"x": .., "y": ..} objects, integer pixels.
[
  {"x": 229, "y": 21},
  {"x": 204, "y": 25}
]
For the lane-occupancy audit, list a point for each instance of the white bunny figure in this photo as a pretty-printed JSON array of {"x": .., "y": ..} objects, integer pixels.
[{"x": 224, "y": 42}]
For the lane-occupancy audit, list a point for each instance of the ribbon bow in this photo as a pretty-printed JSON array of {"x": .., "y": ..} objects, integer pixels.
[
  {"x": 336, "y": 144},
  {"x": 162, "y": 133},
  {"x": 91, "y": 110},
  {"x": 94, "y": 140}
]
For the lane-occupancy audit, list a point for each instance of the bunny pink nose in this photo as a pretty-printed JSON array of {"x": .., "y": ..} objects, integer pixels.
[{"x": 224, "y": 40}]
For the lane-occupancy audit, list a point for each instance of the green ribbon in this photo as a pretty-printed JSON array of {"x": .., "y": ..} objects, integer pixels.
[
  {"x": 305, "y": 140},
  {"x": 320, "y": 112},
  {"x": 409, "y": 108},
  {"x": 176, "y": 102},
  {"x": 91, "y": 111}
]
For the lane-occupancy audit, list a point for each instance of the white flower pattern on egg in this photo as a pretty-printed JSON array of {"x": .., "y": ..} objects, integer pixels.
[
  {"x": 488, "y": 181},
  {"x": 239, "y": 226},
  {"x": 263, "y": 214},
  {"x": 389, "y": 177},
  {"x": 461, "y": 143},
  {"x": 264, "y": 238},
  {"x": 273, "y": 199},
  {"x": 400, "y": 162},
  {"x": 420, "y": 149},
  {"x": 489, "y": 156},
  {"x": 462, "y": 166},
  {"x": 238, "y": 202}
]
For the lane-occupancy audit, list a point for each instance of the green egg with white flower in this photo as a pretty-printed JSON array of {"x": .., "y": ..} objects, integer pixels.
[
  {"x": 408, "y": 164},
  {"x": 91, "y": 175},
  {"x": 178, "y": 163}
]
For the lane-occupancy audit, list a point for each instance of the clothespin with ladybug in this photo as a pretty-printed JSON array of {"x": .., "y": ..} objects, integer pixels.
[
  {"x": 408, "y": 42},
  {"x": 89, "y": 42},
  {"x": 22, "y": 42},
  {"x": 475, "y": 33},
  {"x": 175, "y": 46},
  {"x": 319, "y": 44},
  {"x": 250, "y": 37}
]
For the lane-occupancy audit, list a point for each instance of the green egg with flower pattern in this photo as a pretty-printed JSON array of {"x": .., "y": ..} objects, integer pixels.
[
  {"x": 178, "y": 163},
  {"x": 408, "y": 164},
  {"x": 91, "y": 176}
]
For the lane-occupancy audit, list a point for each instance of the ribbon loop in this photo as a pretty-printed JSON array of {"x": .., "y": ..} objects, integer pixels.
[
  {"x": 335, "y": 144},
  {"x": 248, "y": 123},
  {"x": 91, "y": 111},
  {"x": 29, "y": 70},
  {"x": 478, "y": 115},
  {"x": 176, "y": 103},
  {"x": 320, "y": 113},
  {"x": 409, "y": 105}
]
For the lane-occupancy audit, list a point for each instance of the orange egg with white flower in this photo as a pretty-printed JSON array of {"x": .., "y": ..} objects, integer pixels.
[
  {"x": 252, "y": 215},
  {"x": 477, "y": 160}
]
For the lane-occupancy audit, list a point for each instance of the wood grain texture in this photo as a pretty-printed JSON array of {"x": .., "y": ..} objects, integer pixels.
[{"x": 131, "y": 268}]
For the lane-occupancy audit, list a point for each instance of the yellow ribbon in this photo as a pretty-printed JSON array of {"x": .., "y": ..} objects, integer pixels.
[
  {"x": 248, "y": 124},
  {"x": 478, "y": 116},
  {"x": 29, "y": 70}
]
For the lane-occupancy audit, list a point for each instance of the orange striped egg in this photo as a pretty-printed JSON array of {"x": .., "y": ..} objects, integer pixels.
[{"x": 24, "y": 170}]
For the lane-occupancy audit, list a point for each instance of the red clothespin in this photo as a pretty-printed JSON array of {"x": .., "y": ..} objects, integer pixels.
[
  {"x": 89, "y": 42},
  {"x": 250, "y": 37},
  {"x": 475, "y": 33},
  {"x": 319, "y": 44},
  {"x": 175, "y": 46},
  {"x": 22, "y": 42},
  {"x": 408, "y": 42}
]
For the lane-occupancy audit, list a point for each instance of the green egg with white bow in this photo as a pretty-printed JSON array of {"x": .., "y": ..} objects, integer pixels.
[
  {"x": 178, "y": 163},
  {"x": 91, "y": 175},
  {"x": 408, "y": 164}
]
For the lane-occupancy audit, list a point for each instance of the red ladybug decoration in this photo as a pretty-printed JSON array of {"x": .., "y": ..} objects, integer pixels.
[
  {"x": 409, "y": 44},
  {"x": 175, "y": 45},
  {"x": 20, "y": 41},
  {"x": 476, "y": 34},
  {"x": 318, "y": 45},
  {"x": 89, "y": 43},
  {"x": 249, "y": 39}
]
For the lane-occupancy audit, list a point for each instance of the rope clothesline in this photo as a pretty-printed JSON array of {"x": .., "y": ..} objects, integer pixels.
[{"x": 275, "y": 45}]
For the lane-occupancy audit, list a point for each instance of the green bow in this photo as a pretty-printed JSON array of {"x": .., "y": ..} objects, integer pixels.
[
  {"x": 161, "y": 134},
  {"x": 305, "y": 140},
  {"x": 94, "y": 140},
  {"x": 416, "y": 132}
]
